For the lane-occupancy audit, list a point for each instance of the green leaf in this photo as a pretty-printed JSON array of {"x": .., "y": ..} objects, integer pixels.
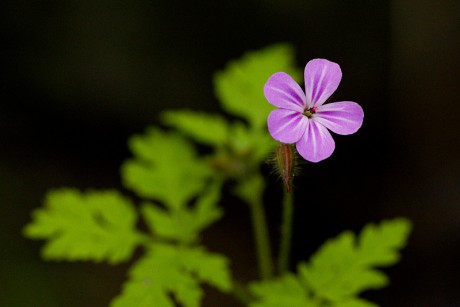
[
  {"x": 258, "y": 144},
  {"x": 207, "y": 267},
  {"x": 393, "y": 232},
  {"x": 282, "y": 292},
  {"x": 206, "y": 210},
  {"x": 335, "y": 271},
  {"x": 97, "y": 225},
  {"x": 339, "y": 271},
  {"x": 186, "y": 223},
  {"x": 238, "y": 146},
  {"x": 165, "y": 168},
  {"x": 354, "y": 302},
  {"x": 343, "y": 267},
  {"x": 240, "y": 86},
  {"x": 204, "y": 128},
  {"x": 169, "y": 270}
]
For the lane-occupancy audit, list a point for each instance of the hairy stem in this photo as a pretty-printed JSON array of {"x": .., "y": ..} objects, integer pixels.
[{"x": 286, "y": 233}]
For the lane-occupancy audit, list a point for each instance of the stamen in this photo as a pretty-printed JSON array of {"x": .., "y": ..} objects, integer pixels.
[{"x": 309, "y": 112}]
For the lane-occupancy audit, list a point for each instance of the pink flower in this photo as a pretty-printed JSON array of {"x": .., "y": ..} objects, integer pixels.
[{"x": 303, "y": 118}]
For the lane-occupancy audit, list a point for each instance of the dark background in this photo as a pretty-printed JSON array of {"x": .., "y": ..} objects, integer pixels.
[{"x": 78, "y": 77}]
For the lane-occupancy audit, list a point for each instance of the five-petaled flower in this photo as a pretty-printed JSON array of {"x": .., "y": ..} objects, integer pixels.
[{"x": 302, "y": 118}]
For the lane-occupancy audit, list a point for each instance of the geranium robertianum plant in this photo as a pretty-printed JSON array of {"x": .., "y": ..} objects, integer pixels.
[{"x": 182, "y": 190}]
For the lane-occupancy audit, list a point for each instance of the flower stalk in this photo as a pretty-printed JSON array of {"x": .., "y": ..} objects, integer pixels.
[
  {"x": 286, "y": 231},
  {"x": 251, "y": 190},
  {"x": 262, "y": 240}
]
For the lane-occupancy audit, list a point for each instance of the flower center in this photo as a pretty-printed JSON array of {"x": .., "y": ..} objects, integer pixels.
[{"x": 309, "y": 112}]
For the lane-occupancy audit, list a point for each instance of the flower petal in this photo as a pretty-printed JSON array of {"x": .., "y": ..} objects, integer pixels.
[
  {"x": 322, "y": 78},
  {"x": 316, "y": 144},
  {"x": 286, "y": 126},
  {"x": 344, "y": 117},
  {"x": 282, "y": 91}
]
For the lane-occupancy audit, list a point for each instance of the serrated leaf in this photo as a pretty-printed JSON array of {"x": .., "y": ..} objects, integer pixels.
[
  {"x": 282, "y": 292},
  {"x": 345, "y": 282},
  {"x": 170, "y": 270},
  {"x": 240, "y": 86},
  {"x": 338, "y": 271},
  {"x": 161, "y": 222},
  {"x": 184, "y": 224},
  {"x": 204, "y": 128},
  {"x": 207, "y": 267},
  {"x": 206, "y": 209},
  {"x": 97, "y": 225},
  {"x": 393, "y": 232},
  {"x": 335, "y": 271},
  {"x": 342, "y": 268},
  {"x": 165, "y": 168}
]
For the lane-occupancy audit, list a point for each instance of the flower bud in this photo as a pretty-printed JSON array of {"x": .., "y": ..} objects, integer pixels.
[{"x": 285, "y": 159}]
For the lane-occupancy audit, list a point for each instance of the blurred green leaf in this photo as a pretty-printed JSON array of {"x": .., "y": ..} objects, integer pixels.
[
  {"x": 209, "y": 129},
  {"x": 282, "y": 292},
  {"x": 239, "y": 87},
  {"x": 186, "y": 223},
  {"x": 342, "y": 268},
  {"x": 354, "y": 302},
  {"x": 165, "y": 167},
  {"x": 258, "y": 143},
  {"x": 98, "y": 225},
  {"x": 393, "y": 232},
  {"x": 168, "y": 271},
  {"x": 335, "y": 272}
]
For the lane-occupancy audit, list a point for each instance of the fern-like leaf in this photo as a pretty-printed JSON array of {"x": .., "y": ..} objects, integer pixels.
[
  {"x": 204, "y": 128},
  {"x": 340, "y": 270},
  {"x": 239, "y": 86},
  {"x": 184, "y": 224},
  {"x": 97, "y": 225},
  {"x": 392, "y": 232},
  {"x": 285, "y": 291},
  {"x": 165, "y": 168},
  {"x": 345, "y": 266},
  {"x": 170, "y": 273}
]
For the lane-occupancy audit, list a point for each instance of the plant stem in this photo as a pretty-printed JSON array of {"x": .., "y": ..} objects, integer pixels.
[
  {"x": 261, "y": 238},
  {"x": 286, "y": 233}
]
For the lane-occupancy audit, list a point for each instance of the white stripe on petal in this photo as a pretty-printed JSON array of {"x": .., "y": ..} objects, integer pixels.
[
  {"x": 344, "y": 117},
  {"x": 286, "y": 126},
  {"x": 282, "y": 91},
  {"x": 316, "y": 144},
  {"x": 322, "y": 77}
]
